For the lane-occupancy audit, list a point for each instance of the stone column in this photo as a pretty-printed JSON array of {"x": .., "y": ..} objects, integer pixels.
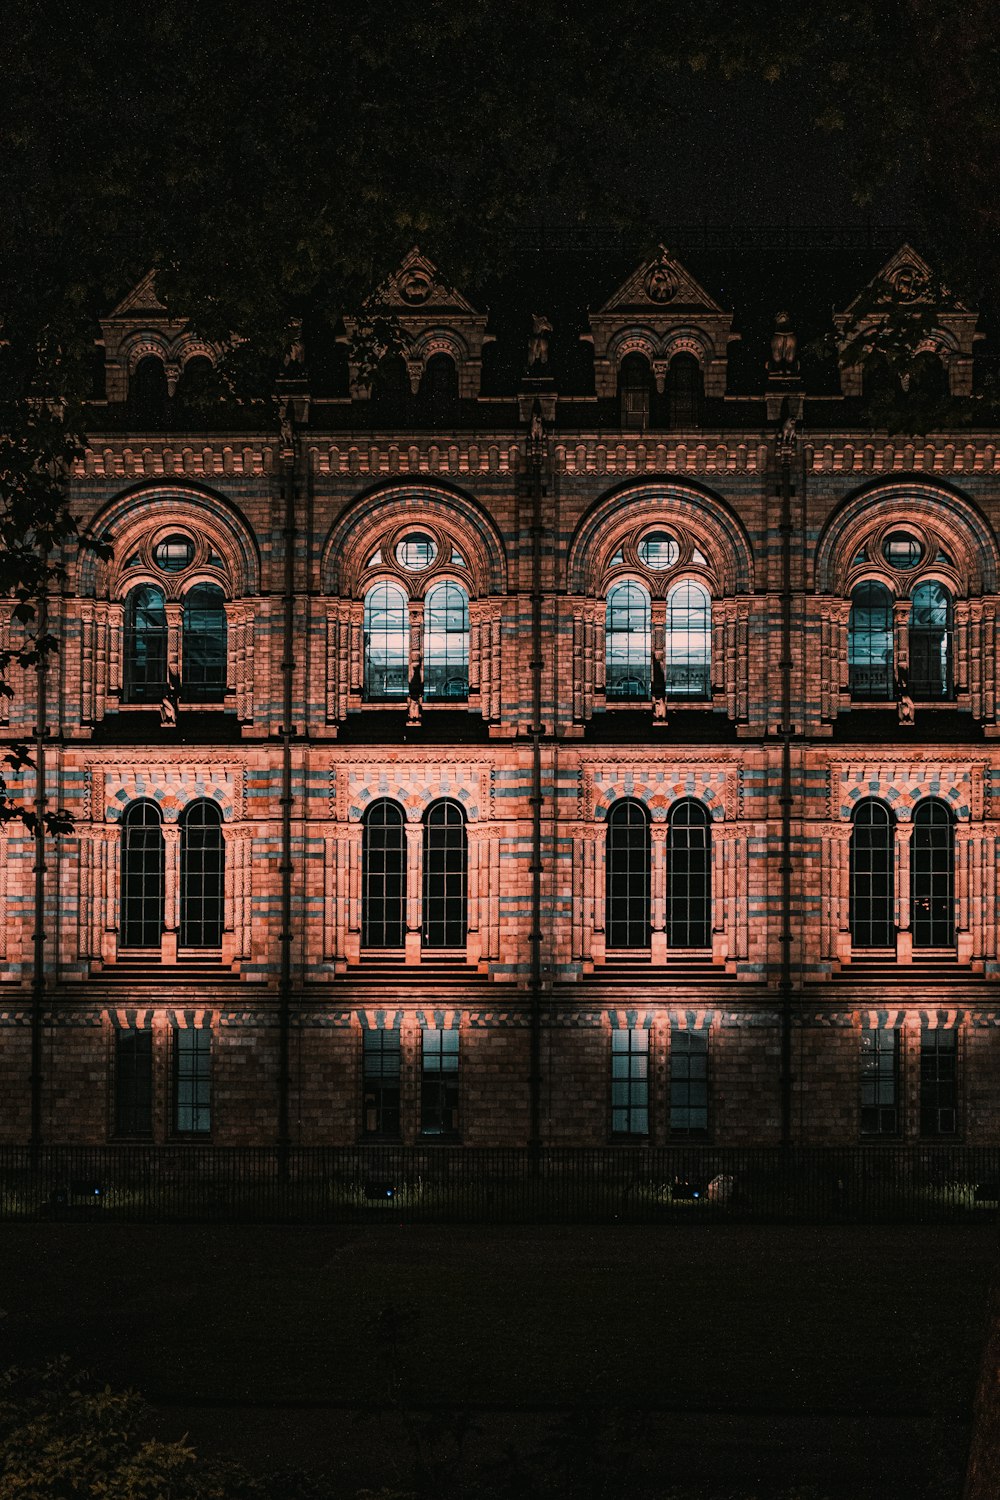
[
  {"x": 963, "y": 879},
  {"x": 658, "y": 892},
  {"x": 904, "y": 933},
  {"x": 414, "y": 893},
  {"x": 171, "y": 892}
]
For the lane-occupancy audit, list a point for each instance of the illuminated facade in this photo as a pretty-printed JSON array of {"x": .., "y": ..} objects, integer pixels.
[{"x": 560, "y": 754}]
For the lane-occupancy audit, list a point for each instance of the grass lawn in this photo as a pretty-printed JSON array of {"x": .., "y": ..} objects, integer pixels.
[{"x": 842, "y": 1357}]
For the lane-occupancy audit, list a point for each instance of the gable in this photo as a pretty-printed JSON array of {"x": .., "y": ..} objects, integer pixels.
[{"x": 659, "y": 283}]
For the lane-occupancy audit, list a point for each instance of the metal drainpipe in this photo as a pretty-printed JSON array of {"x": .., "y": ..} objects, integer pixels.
[
  {"x": 285, "y": 801},
  {"x": 535, "y": 461},
  {"x": 785, "y": 451},
  {"x": 38, "y": 945}
]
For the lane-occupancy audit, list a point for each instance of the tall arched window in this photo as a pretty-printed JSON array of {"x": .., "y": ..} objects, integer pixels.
[
  {"x": 689, "y": 875},
  {"x": 930, "y": 641},
  {"x": 387, "y": 642},
  {"x": 687, "y": 669},
  {"x": 390, "y": 390},
  {"x": 203, "y": 875},
  {"x": 627, "y": 673},
  {"x": 685, "y": 391},
  {"x": 446, "y": 863},
  {"x": 634, "y": 387},
  {"x": 195, "y": 386},
  {"x": 203, "y": 648},
  {"x": 383, "y": 876},
  {"x": 626, "y": 875},
  {"x": 869, "y": 642},
  {"x": 438, "y": 394},
  {"x": 873, "y": 880},
  {"x": 142, "y": 876},
  {"x": 147, "y": 392},
  {"x": 928, "y": 376},
  {"x": 145, "y": 645},
  {"x": 932, "y": 876},
  {"x": 446, "y": 641}
]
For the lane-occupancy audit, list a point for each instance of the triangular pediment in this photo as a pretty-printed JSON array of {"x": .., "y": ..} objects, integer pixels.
[
  {"x": 912, "y": 279},
  {"x": 141, "y": 299},
  {"x": 416, "y": 287},
  {"x": 658, "y": 284}
]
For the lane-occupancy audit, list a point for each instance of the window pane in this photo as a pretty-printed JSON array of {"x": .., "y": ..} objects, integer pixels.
[
  {"x": 145, "y": 645},
  {"x": 627, "y": 668},
  {"x": 687, "y": 669},
  {"x": 204, "y": 643},
  {"x": 383, "y": 877},
  {"x": 869, "y": 643},
  {"x": 689, "y": 868},
  {"x": 380, "y": 1083},
  {"x": 387, "y": 642},
  {"x": 932, "y": 876},
  {"x": 445, "y": 876},
  {"x": 192, "y": 1080},
  {"x": 439, "y": 1085},
  {"x": 627, "y": 867},
  {"x": 872, "y": 895},
  {"x": 929, "y": 673},
  {"x": 446, "y": 642},
  {"x": 879, "y": 1084},
  {"x": 688, "y": 1082},
  {"x": 203, "y": 869},
  {"x": 938, "y": 1081},
  {"x": 629, "y": 1083},
  {"x": 133, "y": 1082},
  {"x": 141, "y": 877}
]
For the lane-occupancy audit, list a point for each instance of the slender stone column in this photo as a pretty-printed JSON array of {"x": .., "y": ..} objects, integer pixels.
[{"x": 904, "y": 934}]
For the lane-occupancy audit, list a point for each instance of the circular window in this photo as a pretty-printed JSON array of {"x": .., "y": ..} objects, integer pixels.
[
  {"x": 416, "y": 551},
  {"x": 658, "y": 550},
  {"x": 901, "y": 550},
  {"x": 173, "y": 553}
]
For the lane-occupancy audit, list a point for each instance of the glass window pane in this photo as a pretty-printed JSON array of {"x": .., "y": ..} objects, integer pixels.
[
  {"x": 870, "y": 643},
  {"x": 383, "y": 876},
  {"x": 687, "y": 668},
  {"x": 627, "y": 642},
  {"x": 627, "y": 876},
  {"x": 446, "y": 642},
  {"x": 387, "y": 642}
]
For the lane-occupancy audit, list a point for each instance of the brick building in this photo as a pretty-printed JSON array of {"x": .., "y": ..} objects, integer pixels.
[{"x": 523, "y": 746}]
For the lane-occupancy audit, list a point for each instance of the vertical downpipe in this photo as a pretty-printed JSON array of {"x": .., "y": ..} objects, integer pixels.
[
  {"x": 785, "y": 452},
  {"x": 535, "y": 461},
  {"x": 288, "y": 466},
  {"x": 40, "y": 804}
]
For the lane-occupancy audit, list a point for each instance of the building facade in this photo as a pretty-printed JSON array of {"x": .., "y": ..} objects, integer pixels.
[{"x": 574, "y": 757}]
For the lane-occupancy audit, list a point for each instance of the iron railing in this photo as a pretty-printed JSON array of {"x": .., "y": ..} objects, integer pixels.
[{"x": 316, "y": 1185}]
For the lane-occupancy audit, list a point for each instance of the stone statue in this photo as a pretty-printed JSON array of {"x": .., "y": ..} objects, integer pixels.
[
  {"x": 904, "y": 703},
  {"x": 537, "y": 430},
  {"x": 659, "y": 691},
  {"x": 295, "y": 354},
  {"x": 286, "y": 426},
  {"x": 784, "y": 347},
  {"x": 538, "y": 344},
  {"x": 415, "y": 694},
  {"x": 168, "y": 703}
]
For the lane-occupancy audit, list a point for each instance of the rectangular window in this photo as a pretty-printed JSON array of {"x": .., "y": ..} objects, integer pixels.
[
  {"x": 939, "y": 1082},
  {"x": 439, "y": 1083},
  {"x": 193, "y": 1081},
  {"x": 630, "y": 1081},
  {"x": 689, "y": 1083},
  {"x": 134, "y": 1083},
  {"x": 380, "y": 1083},
  {"x": 880, "y": 1082}
]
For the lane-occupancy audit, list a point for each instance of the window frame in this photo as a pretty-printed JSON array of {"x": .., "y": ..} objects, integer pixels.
[
  {"x": 680, "y": 859},
  {"x": 689, "y": 1043},
  {"x": 629, "y": 1078},
  {"x": 154, "y": 869},
  {"x": 394, "y": 664},
  {"x": 919, "y": 644},
  {"x": 884, "y": 1114},
  {"x": 864, "y": 870},
  {"x": 122, "y": 1128},
  {"x": 145, "y": 685},
  {"x": 880, "y": 686},
  {"x": 633, "y": 863},
  {"x": 934, "y": 864},
  {"x": 935, "y": 1082},
  {"x": 440, "y": 1077},
  {"x": 214, "y": 681},
  {"x": 196, "y": 1072},
  {"x": 189, "y": 875},
  {"x": 636, "y": 669},
  {"x": 444, "y": 916},
  {"x": 693, "y": 673},
  {"x": 457, "y": 663},
  {"x": 381, "y": 1082},
  {"x": 374, "y": 932}
]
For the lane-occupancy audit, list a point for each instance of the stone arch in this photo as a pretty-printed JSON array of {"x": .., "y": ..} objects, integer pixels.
[
  {"x": 659, "y": 797},
  {"x": 132, "y": 515},
  {"x": 635, "y": 340},
  {"x": 387, "y": 506},
  {"x": 413, "y": 794},
  {"x": 901, "y": 797},
  {"x": 697, "y": 511},
  {"x": 688, "y": 341},
  {"x": 170, "y": 794},
  {"x": 953, "y": 516}
]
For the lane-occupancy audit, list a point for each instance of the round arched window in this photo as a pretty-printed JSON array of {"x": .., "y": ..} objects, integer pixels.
[
  {"x": 416, "y": 551},
  {"x": 902, "y": 551},
  {"x": 174, "y": 553},
  {"x": 658, "y": 550}
]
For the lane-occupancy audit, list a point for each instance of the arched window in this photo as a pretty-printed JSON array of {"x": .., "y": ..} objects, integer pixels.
[
  {"x": 438, "y": 394},
  {"x": 446, "y": 863},
  {"x": 627, "y": 641},
  {"x": 383, "y": 876},
  {"x": 873, "y": 881},
  {"x": 145, "y": 645},
  {"x": 196, "y": 386},
  {"x": 928, "y": 377},
  {"x": 880, "y": 379},
  {"x": 147, "y": 393},
  {"x": 930, "y": 641},
  {"x": 634, "y": 388},
  {"x": 203, "y": 874},
  {"x": 204, "y": 643},
  {"x": 685, "y": 391},
  {"x": 626, "y": 872},
  {"x": 387, "y": 642},
  {"x": 446, "y": 641},
  {"x": 689, "y": 875},
  {"x": 869, "y": 642},
  {"x": 142, "y": 876},
  {"x": 390, "y": 391},
  {"x": 687, "y": 669},
  {"x": 932, "y": 876}
]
